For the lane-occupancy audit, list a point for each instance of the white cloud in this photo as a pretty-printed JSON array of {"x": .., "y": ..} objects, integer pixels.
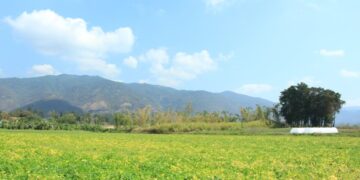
[
  {"x": 131, "y": 62},
  {"x": 183, "y": 66},
  {"x": 71, "y": 39},
  {"x": 1, "y": 73},
  {"x": 98, "y": 65},
  {"x": 332, "y": 53},
  {"x": 214, "y": 3},
  {"x": 225, "y": 57},
  {"x": 43, "y": 69},
  {"x": 142, "y": 81},
  {"x": 349, "y": 74},
  {"x": 215, "y": 6},
  {"x": 156, "y": 56},
  {"x": 254, "y": 88}
]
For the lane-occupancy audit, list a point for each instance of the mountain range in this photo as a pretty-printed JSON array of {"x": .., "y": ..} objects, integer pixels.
[
  {"x": 96, "y": 94},
  {"x": 348, "y": 115},
  {"x": 73, "y": 93}
]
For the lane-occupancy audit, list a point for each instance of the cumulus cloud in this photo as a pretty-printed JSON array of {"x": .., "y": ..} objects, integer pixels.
[
  {"x": 332, "y": 53},
  {"x": 131, "y": 62},
  {"x": 72, "y": 39},
  {"x": 156, "y": 56},
  {"x": 43, "y": 69},
  {"x": 349, "y": 74},
  {"x": 254, "y": 88},
  {"x": 171, "y": 71}
]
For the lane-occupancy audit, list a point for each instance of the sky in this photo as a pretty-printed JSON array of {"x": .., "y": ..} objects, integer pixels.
[{"x": 253, "y": 47}]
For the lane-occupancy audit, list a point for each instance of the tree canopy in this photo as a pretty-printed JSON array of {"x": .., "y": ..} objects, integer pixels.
[{"x": 302, "y": 105}]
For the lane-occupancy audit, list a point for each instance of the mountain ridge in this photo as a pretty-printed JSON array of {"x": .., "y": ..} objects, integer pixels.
[
  {"x": 348, "y": 116},
  {"x": 97, "y": 94}
]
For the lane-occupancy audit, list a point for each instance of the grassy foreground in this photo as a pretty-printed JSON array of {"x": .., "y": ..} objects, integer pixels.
[{"x": 85, "y": 155}]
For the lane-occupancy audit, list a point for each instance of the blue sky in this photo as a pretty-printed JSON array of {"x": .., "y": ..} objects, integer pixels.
[{"x": 254, "y": 47}]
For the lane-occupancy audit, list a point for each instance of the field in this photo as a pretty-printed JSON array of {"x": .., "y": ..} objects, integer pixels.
[{"x": 86, "y": 155}]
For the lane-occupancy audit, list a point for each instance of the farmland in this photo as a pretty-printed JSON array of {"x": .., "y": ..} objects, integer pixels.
[{"x": 87, "y": 155}]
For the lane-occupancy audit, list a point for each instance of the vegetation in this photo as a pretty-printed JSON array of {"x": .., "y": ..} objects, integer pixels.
[
  {"x": 308, "y": 106},
  {"x": 299, "y": 105},
  {"x": 81, "y": 155},
  {"x": 28, "y": 119},
  {"x": 142, "y": 120}
]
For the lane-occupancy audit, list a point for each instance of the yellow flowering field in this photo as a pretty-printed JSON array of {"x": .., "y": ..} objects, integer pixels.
[{"x": 86, "y": 155}]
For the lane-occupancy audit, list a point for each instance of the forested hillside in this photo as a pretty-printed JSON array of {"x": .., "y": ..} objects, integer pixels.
[{"x": 96, "y": 94}]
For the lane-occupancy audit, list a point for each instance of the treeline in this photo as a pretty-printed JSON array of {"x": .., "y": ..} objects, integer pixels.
[
  {"x": 32, "y": 119},
  {"x": 145, "y": 117},
  {"x": 269, "y": 114},
  {"x": 129, "y": 120}
]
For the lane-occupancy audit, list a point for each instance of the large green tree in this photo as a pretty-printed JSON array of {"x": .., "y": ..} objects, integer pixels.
[{"x": 302, "y": 105}]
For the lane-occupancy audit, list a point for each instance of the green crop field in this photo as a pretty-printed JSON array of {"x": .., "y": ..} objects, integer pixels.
[{"x": 85, "y": 155}]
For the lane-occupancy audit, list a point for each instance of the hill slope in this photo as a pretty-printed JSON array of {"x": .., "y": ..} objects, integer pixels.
[
  {"x": 92, "y": 93},
  {"x": 47, "y": 106}
]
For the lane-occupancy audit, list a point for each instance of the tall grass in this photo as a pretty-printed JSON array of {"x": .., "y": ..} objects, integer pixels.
[{"x": 200, "y": 127}]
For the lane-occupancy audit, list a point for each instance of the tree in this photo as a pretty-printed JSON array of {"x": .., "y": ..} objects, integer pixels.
[
  {"x": 245, "y": 114},
  {"x": 4, "y": 115},
  {"x": 259, "y": 113},
  {"x": 276, "y": 113},
  {"x": 304, "y": 106},
  {"x": 67, "y": 118},
  {"x": 293, "y": 104},
  {"x": 143, "y": 115},
  {"x": 324, "y": 104},
  {"x": 188, "y": 111},
  {"x": 86, "y": 118},
  {"x": 121, "y": 120}
]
